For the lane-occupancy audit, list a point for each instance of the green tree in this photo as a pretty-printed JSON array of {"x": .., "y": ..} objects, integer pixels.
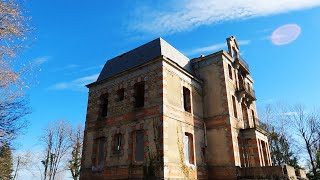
[
  {"x": 310, "y": 175},
  {"x": 280, "y": 150},
  {"x": 5, "y": 163},
  {"x": 76, "y": 139}
]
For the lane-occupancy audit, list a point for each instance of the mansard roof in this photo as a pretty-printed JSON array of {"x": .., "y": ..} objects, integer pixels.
[{"x": 141, "y": 55}]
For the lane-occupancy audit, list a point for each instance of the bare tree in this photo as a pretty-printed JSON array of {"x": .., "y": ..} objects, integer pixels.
[
  {"x": 76, "y": 138},
  {"x": 22, "y": 161},
  {"x": 13, "y": 33},
  {"x": 279, "y": 139},
  {"x": 306, "y": 125},
  {"x": 57, "y": 144}
]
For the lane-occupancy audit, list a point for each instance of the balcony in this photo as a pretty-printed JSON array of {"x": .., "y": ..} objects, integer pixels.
[
  {"x": 246, "y": 93},
  {"x": 249, "y": 131},
  {"x": 241, "y": 64}
]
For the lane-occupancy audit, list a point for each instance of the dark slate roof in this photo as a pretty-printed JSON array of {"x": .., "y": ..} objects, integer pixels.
[{"x": 143, "y": 54}]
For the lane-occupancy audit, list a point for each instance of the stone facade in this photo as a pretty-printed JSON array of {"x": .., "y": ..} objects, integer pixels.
[{"x": 169, "y": 117}]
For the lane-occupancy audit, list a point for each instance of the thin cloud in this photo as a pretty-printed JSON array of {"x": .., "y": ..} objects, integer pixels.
[
  {"x": 190, "y": 14},
  {"x": 291, "y": 113},
  {"x": 76, "y": 84},
  {"x": 40, "y": 60},
  {"x": 66, "y": 67},
  {"x": 213, "y": 48},
  {"x": 91, "y": 68}
]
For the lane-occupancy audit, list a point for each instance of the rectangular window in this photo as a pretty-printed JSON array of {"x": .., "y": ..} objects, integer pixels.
[
  {"x": 117, "y": 143},
  {"x": 139, "y": 94},
  {"x": 188, "y": 148},
  {"x": 104, "y": 105},
  {"x": 253, "y": 118},
  {"x": 120, "y": 94},
  {"x": 186, "y": 99},
  {"x": 230, "y": 71},
  {"x": 235, "y": 113},
  {"x": 100, "y": 152},
  {"x": 139, "y": 146}
]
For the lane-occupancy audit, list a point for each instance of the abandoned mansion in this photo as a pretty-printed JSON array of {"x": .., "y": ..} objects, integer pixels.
[{"x": 155, "y": 114}]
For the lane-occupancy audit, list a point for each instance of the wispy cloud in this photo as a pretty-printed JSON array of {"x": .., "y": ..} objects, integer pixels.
[
  {"x": 71, "y": 69},
  {"x": 76, "y": 84},
  {"x": 213, "y": 48},
  {"x": 190, "y": 14},
  {"x": 291, "y": 113},
  {"x": 40, "y": 60},
  {"x": 91, "y": 68},
  {"x": 66, "y": 67}
]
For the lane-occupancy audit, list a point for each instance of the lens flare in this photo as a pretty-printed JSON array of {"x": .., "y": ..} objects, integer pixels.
[{"x": 285, "y": 34}]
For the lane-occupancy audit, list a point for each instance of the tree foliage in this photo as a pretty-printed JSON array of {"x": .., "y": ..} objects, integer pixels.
[
  {"x": 298, "y": 127},
  {"x": 281, "y": 152},
  {"x": 14, "y": 29},
  {"x": 76, "y": 139}
]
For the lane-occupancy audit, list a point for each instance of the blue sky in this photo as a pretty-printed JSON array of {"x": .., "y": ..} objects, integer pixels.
[{"x": 74, "y": 40}]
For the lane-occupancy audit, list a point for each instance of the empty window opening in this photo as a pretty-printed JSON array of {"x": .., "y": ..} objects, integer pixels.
[
  {"x": 235, "y": 113},
  {"x": 265, "y": 153},
  {"x": 139, "y": 146},
  {"x": 240, "y": 80},
  {"x": 118, "y": 142},
  {"x": 139, "y": 94},
  {"x": 230, "y": 71},
  {"x": 253, "y": 117},
  {"x": 249, "y": 87},
  {"x": 104, "y": 105},
  {"x": 186, "y": 99},
  {"x": 245, "y": 115},
  {"x": 188, "y": 148},
  {"x": 120, "y": 94},
  {"x": 203, "y": 150}
]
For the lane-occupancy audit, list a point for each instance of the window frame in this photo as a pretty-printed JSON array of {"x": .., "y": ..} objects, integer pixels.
[
  {"x": 117, "y": 142},
  {"x": 189, "y": 149}
]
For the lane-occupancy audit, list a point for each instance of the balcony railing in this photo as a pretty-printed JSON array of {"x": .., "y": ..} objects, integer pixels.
[
  {"x": 248, "y": 91},
  {"x": 256, "y": 126},
  {"x": 243, "y": 64}
]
